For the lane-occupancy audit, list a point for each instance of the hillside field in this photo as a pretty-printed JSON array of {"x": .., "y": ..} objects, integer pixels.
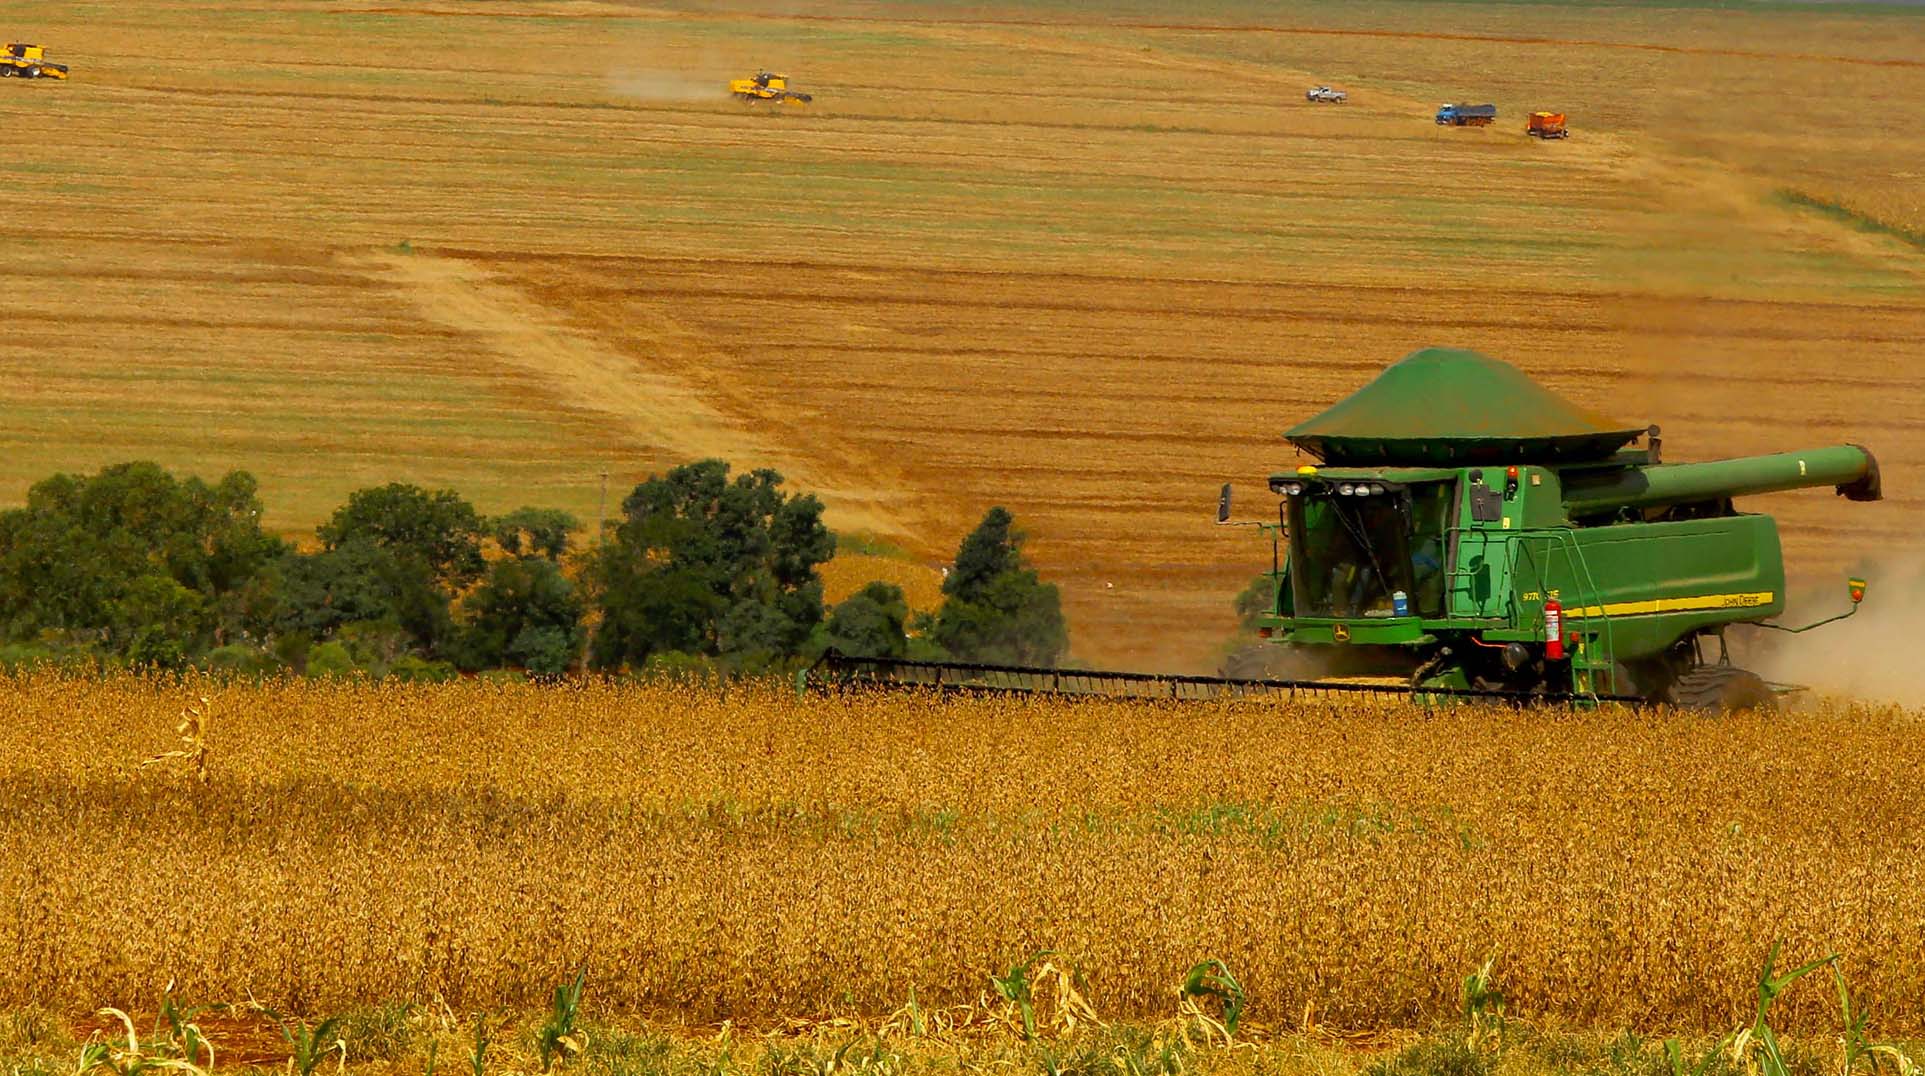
[{"x": 1082, "y": 260}]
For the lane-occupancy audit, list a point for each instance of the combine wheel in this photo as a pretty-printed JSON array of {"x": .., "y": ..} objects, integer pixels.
[
  {"x": 1267, "y": 661},
  {"x": 1719, "y": 687}
]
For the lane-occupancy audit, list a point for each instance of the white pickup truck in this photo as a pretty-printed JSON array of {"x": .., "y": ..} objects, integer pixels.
[{"x": 1325, "y": 93}]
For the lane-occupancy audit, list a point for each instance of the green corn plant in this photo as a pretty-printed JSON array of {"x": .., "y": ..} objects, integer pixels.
[
  {"x": 94, "y": 1054},
  {"x": 558, "y": 1040},
  {"x": 478, "y": 1053},
  {"x": 308, "y": 1046},
  {"x": 1014, "y": 988},
  {"x": 1483, "y": 1003},
  {"x": 1674, "y": 1056},
  {"x": 183, "y": 1033},
  {"x": 1212, "y": 979},
  {"x": 1858, "y": 1046},
  {"x": 1770, "y": 988},
  {"x": 97, "y": 1057},
  {"x": 917, "y": 1021}
]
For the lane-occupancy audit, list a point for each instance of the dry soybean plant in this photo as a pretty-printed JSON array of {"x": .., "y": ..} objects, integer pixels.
[{"x": 756, "y": 857}]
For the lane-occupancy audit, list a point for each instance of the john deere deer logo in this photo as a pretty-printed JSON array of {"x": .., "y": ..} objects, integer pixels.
[{"x": 1341, "y": 633}]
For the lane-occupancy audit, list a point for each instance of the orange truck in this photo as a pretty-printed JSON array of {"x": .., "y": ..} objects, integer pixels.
[{"x": 1546, "y": 125}]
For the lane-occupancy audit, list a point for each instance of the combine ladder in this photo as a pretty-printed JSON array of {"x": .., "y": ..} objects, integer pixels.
[{"x": 1596, "y": 650}]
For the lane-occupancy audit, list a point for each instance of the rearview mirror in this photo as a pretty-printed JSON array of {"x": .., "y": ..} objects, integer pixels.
[{"x": 1223, "y": 505}]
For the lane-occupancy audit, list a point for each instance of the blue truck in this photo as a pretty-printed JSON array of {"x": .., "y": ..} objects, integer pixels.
[{"x": 1466, "y": 115}]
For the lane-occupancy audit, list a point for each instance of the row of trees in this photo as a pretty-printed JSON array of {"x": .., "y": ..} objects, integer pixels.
[{"x": 701, "y": 567}]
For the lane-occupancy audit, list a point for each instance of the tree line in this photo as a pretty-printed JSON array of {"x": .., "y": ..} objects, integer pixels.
[{"x": 701, "y": 569}]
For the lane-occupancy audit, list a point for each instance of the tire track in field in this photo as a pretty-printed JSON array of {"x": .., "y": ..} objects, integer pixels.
[{"x": 649, "y": 399}]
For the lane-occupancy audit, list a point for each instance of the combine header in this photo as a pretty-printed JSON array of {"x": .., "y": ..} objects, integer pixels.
[{"x": 1466, "y": 533}]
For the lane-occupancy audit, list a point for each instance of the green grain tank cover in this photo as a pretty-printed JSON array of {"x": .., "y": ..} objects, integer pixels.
[{"x": 1444, "y": 406}]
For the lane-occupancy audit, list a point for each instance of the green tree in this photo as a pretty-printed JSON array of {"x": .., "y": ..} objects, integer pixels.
[
  {"x": 701, "y": 564},
  {"x": 134, "y": 555},
  {"x": 997, "y": 609},
  {"x": 543, "y": 532},
  {"x": 393, "y": 555},
  {"x": 437, "y": 529},
  {"x": 991, "y": 550},
  {"x": 1256, "y": 600},
  {"x": 869, "y": 623},
  {"x": 360, "y": 582},
  {"x": 525, "y": 613}
]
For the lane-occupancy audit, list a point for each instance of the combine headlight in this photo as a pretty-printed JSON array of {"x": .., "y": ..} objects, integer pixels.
[
  {"x": 1377, "y": 489},
  {"x": 1346, "y": 489}
]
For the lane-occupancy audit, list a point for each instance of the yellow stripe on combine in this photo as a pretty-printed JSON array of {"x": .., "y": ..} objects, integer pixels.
[{"x": 1676, "y": 605}]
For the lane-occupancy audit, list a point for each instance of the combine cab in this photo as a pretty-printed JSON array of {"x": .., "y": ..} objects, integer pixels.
[
  {"x": 28, "y": 61},
  {"x": 767, "y": 87},
  {"x": 1465, "y": 533}
]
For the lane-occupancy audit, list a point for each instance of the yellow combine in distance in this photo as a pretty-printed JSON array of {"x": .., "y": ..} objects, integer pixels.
[
  {"x": 28, "y": 61},
  {"x": 766, "y": 86}
]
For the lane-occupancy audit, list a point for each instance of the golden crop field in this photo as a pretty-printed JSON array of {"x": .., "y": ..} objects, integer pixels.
[
  {"x": 751, "y": 856},
  {"x": 1082, "y": 260}
]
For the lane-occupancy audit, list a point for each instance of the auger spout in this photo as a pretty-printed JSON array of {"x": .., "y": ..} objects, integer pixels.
[{"x": 1849, "y": 468}]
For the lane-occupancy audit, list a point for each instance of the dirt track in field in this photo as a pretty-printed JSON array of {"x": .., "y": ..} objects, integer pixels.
[{"x": 1087, "y": 265}]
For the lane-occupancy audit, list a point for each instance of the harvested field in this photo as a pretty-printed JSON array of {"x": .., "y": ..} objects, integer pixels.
[
  {"x": 753, "y": 857},
  {"x": 1085, "y": 263}
]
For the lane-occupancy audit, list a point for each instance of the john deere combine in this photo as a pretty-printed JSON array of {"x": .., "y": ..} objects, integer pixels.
[{"x": 1463, "y": 531}]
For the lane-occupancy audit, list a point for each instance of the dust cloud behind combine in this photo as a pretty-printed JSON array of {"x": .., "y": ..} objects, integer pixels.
[
  {"x": 666, "y": 87},
  {"x": 1871, "y": 657},
  {"x": 670, "y": 85}
]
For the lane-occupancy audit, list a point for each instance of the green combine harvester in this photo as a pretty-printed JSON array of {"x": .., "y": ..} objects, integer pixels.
[{"x": 1465, "y": 532}]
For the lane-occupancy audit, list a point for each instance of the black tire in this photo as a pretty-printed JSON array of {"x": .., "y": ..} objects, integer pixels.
[
  {"x": 1265, "y": 661},
  {"x": 1719, "y": 688}
]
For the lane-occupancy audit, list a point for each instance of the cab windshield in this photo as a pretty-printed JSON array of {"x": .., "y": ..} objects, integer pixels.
[{"x": 1350, "y": 554}]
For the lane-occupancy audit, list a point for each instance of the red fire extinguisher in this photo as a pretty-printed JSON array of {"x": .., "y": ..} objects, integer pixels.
[{"x": 1553, "y": 629}]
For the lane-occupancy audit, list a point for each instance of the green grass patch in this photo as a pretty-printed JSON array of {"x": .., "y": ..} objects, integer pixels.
[
  {"x": 865, "y": 544},
  {"x": 1852, "y": 218}
]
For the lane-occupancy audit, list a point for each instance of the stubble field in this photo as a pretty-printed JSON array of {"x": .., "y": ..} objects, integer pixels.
[{"x": 1086, "y": 264}]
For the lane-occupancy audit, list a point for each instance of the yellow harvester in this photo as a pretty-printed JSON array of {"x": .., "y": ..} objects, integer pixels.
[
  {"x": 768, "y": 87},
  {"x": 28, "y": 61}
]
